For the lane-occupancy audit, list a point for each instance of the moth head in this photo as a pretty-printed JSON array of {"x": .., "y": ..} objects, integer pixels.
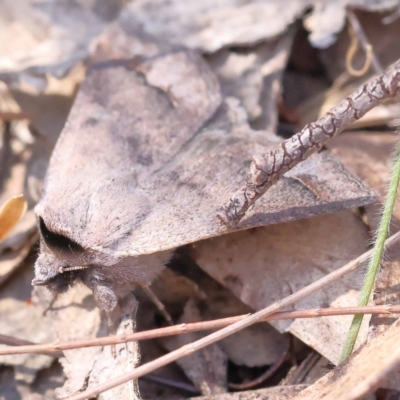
[{"x": 60, "y": 262}]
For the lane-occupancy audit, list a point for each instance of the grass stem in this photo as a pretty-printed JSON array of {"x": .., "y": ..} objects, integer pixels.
[{"x": 376, "y": 257}]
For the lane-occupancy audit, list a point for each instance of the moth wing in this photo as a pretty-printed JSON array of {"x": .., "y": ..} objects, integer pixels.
[{"x": 148, "y": 156}]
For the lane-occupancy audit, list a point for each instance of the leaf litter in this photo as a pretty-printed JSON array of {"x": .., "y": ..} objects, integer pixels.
[{"x": 247, "y": 66}]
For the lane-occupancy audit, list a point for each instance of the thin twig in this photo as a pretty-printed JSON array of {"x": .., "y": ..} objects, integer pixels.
[
  {"x": 184, "y": 328},
  {"x": 5, "y": 152},
  {"x": 358, "y": 36},
  {"x": 14, "y": 116},
  {"x": 158, "y": 303},
  {"x": 162, "y": 380},
  {"x": 237, "y": 326},
  {"x": 13, "y": 341},
  {"x": 304, "y": 368},
  {"x": 266, "y": 169}
]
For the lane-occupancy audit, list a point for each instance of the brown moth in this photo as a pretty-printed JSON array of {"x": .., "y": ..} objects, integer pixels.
[{"x": 149, "y": 154}]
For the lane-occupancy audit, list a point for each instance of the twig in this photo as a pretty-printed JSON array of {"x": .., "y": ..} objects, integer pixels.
[
  {"x": 184, "y": 328},
  {"x": 171, "y": 383},
  {"x": 358, "y": 36},
  {"x": 267, "y": 169},
  {"x": 374, "y": 263},
  {"x": 158, "y": 303},
  {"x": 13, "y": 116},
  {"x": 12, "y": 341},
  {"x": 5, "y": 152},
  {"x": 304, "y": 368},
  {"x": 237, "y": 326}
]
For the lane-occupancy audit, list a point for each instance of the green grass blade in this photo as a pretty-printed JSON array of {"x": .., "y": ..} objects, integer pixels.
[{"x": 373, "y": 266}]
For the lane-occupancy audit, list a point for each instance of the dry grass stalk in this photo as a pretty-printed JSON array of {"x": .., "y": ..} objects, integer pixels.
[{"x": 20, "y": 346}]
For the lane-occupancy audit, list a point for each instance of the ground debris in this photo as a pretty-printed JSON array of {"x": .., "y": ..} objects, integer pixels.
[{"x": 199, "y": 89}]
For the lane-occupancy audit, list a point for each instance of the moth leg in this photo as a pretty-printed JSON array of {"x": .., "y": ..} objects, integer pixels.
[
  {"x": 156, "y": 301},
  {"x": 51, "y": 304},
  {"x": 111, "y": 331},
  {"x": 107, "y": 300}
]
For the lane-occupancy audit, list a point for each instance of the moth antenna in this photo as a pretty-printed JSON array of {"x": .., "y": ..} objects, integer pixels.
[{"x": 66, "y": 269}]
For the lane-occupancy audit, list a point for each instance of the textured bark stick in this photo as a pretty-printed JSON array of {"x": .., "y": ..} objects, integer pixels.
[{"x": 266, "y": 169}]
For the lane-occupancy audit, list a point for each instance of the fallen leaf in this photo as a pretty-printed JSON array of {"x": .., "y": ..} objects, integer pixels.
[
  {"x": 254, "y": 77},
  {"x": 21, "y": 319},
  {"x": 11, "y": 260},
  {"x": 386, "y": 292},
  {"x": 276, "y": 393},
  {"x": 328, "y": 18},
  {"x": 311, "y": 368},
  {"x": 263, "y": 265},
  {"x": 74, "y": 316},
  {"x": 368, "y": 155},
  {"x": 256, "y": 346},
  {"x": 49, "y": 108},
  {"x": 10, "y": 213},
  {"x": 23, "y": 158},
  {"x": 207, "y": 368},
  {"x": 362, "y": 373},
  {"x": 67, "y": 31},
  {"x": 316, "y": 106},
  {"x": 210, "y": 26},
  {"x": 48, "y": 38},
  {"x": 127, "y": 357},
  {"x": 381, "y": 35},
  {"x": 44, "y": 385}
]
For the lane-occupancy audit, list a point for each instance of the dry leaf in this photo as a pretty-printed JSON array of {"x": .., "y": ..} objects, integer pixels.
[
  {"x": 25, "y": 171},
  {"x": 207, "y": 368},
  {"x": 49, "y": 109},
  {"x": 362, "y": 373},
  {"x": 328, "y": 18},
  {"x": 386, "y": 48},
  {"x": 127, "y": 357},
  {"x": 256, "y": 346},
  {"x": 42, "y": 388},
  {"x": 10, "y": 213},
  {"x": 11, "y": 260},
  {"x": 369, "y": 155},
  {"x": 261, "y": 266},
  {"x": 254, "y": 77},
  {"x": 22, "y": 318},
  {"x": 275, "y": 393},
  {"x": 317, "y": 106},
  {"x": 386, "y": 292},
  {"x": 74, "y": 316},
  {"x": 48, "y": 38},
  {"x": 210, "y": 26},
  {"x": 382, "y": 37},
  {"x": 40, "y": 39}
]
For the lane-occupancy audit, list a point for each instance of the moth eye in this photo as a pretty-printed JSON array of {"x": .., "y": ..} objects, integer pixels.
[
  {"x": 43, "y": 271},
  {"x": 58, "y": 241}
]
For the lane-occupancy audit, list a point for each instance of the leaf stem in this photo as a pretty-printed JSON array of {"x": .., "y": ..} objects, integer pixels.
[{"x": 375, "y": 260}]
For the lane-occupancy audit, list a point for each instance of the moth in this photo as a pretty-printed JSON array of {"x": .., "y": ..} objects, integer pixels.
[{"x": 149, "y": 153}]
